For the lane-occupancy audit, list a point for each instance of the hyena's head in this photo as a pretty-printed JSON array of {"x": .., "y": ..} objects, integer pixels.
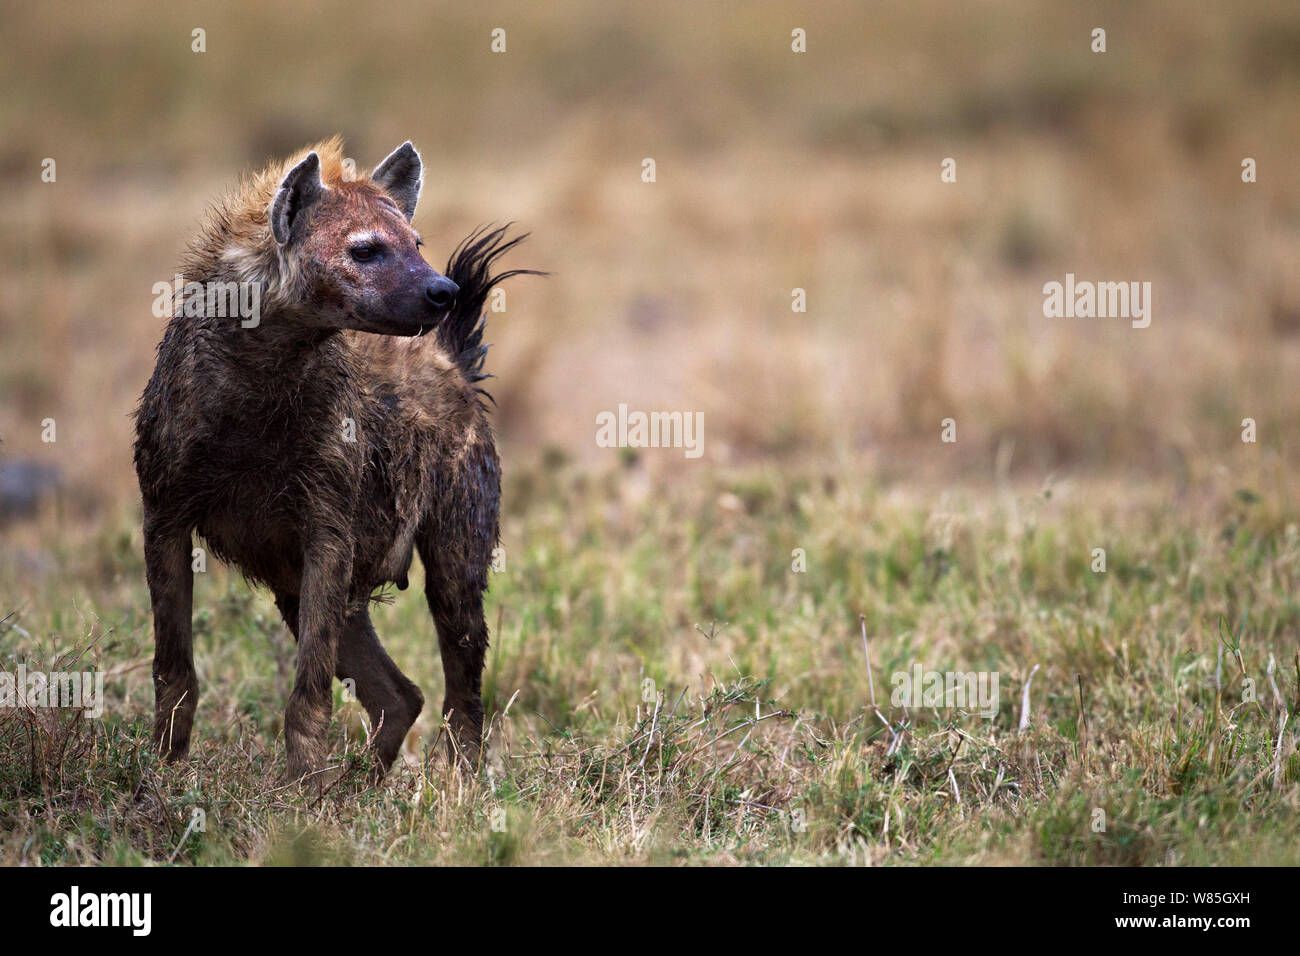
[{"x": 354, "y": 258}]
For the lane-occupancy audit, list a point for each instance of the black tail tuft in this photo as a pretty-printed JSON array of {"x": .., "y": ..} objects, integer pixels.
[{"x": 469, "y": 267}]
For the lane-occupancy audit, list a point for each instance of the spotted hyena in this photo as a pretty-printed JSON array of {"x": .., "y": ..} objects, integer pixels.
[{"x": 321, "y": 445}]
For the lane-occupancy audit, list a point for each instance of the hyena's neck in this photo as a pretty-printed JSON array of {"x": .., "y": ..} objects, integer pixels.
[{"x": 277, "y": 362}]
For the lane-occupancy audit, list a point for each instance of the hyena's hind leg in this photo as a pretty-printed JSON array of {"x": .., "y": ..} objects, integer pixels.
[
  {"x": 454, "y": 589},
  {"x": 463, "y": 641},
  {"x": 171, "y": 593},
  {"x": 390, "y": 698}
]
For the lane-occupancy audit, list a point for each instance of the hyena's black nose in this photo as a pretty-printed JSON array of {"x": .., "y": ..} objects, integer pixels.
[{"x": 441, "y": 292}]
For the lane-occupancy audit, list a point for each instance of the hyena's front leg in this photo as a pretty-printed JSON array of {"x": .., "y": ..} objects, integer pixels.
[
  {"x": 389, "y": 697},
  {"x": 171, "y": 592},
  {"x": 326, "y": 576}
]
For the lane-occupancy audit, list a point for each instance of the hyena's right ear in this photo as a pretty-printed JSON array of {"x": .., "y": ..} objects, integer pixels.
[
  {"x": 302, "y": 186},
  {"x": 401, "y": 175}
]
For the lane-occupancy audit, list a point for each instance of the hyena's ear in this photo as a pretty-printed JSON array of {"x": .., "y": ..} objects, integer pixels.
[
  {"x": 301, "y": 187},
  {"x": 401, "y": 175}
]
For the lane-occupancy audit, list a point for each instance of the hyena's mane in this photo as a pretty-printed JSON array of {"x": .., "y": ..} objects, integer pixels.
[{"x": 234, "y": 241}]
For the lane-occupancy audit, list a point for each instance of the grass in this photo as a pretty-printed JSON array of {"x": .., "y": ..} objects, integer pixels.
[
  {"x": 669, "y": 691},
  {"x": 663, "y": 685}
]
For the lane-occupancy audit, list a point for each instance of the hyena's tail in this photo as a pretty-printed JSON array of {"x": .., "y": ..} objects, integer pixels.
[{"x": 470, "y": 267}]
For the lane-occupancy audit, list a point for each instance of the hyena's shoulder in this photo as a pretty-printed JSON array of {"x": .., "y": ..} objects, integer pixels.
[{"x": 416, "y": 382}]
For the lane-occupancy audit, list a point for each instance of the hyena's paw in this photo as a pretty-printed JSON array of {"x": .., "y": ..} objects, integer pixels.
[
  {"x": 305, "y": 725},
  {"x": 465, "y": 741},
  {"x": 308, "y": 780}
]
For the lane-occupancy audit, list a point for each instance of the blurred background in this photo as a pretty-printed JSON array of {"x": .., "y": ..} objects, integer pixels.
[{"x": 775, "y": 170}]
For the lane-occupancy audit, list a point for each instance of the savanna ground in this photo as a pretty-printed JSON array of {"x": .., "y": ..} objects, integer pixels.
[{"x": 1164, "y": 691}]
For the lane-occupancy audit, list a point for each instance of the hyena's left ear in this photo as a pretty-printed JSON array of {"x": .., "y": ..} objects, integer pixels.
[
  {"x": 301, "y": 187},
  {"x": 401, "y": 175}
]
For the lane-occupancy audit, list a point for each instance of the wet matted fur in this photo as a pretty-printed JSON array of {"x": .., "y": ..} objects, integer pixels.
[{"x": 319, "y": 447}]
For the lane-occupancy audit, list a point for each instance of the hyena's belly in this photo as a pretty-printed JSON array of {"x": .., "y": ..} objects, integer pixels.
[{"x": 269, "y": 551}]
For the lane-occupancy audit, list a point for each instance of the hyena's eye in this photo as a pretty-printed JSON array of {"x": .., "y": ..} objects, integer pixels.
[{"x": 364, "y": 252}]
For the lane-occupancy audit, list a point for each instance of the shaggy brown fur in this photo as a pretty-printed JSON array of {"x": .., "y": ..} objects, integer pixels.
[{"x": 315, "y": 455}]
